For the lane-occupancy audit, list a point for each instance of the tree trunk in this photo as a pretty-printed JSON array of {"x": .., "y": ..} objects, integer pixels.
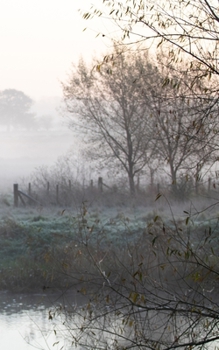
[
  {"x": 173, "y": 178},
  {"x": 131, "y": 184}
]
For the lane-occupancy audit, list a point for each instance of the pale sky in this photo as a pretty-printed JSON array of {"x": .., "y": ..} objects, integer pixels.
[{"x": 39, "y": 39}]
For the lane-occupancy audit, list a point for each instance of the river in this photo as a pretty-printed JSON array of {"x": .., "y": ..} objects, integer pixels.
[{"x": 25, "y": 324}]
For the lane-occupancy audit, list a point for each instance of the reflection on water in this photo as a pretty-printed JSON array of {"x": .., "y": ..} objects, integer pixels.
[{"x": 24, "y": 322}]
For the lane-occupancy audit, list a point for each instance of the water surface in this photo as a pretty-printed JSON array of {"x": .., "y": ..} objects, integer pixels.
[{"x": 25, "y": 324}]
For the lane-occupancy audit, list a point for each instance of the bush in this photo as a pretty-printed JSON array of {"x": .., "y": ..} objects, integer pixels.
[{"x": 157, "y": 290}]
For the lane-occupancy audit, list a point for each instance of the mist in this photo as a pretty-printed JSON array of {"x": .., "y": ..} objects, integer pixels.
[{"x": 24, "y": 148}]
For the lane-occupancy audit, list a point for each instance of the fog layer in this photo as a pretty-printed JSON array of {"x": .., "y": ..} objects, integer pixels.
[{"x": 23, "y": 149}]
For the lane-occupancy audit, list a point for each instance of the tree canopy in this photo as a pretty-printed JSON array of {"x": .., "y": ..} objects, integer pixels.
[
  {"x": 112, "y": 113},
  {"x": 15, "y": 109},
  {"x": 136, "y": 115},
  {"x": 187, "y": 33}
]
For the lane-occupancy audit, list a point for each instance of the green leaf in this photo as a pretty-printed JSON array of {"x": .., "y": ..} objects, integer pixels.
[
  {"x": 212, "y": 250},
  {"x": 187, "y": 255},
  {"x": 140, "y": 276},
  {"x": 136, "y": 273},
  {"x": 154, "y": 240},
  {"x": 133, "y": 296},
  {"x": 131, "y": 323},
  {"x": 56, "y": 343},
  {"x": 160, "y": 43},
  {"x": 98, "y": 67},
  {"x": 156, "y": 218},
  {"x": 158, "y": 196}
]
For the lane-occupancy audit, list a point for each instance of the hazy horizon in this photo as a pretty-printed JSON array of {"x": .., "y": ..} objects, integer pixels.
[{"x": 40, "y": 40}]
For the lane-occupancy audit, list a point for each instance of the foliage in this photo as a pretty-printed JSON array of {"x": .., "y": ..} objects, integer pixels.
[
  {"x": 25, "y": 245},
  {"x": 107, "y": 106},
  {"x": 181, "y": 27},
  {"x": 184, "y": 123},
  {"x": 15, "y": 109},
  {"x": 136, "y": 115},
  {"x": 158, "y": 291},
  {"x": 68, "y": 174},
  {"x": 40, "y": 249},
  {"x": 147, "y": 281}
]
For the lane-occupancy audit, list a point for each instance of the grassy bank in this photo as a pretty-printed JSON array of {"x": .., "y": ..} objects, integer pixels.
[
  {"x": 41, "y": 248},
  {"x": 55, "y": 248}
]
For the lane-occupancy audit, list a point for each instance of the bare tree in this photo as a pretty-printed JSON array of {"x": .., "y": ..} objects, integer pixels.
[
  {"x": 112, "y": 112},
  {"x": 188, "y": 32},
  {"x": 184, "y": 124}
]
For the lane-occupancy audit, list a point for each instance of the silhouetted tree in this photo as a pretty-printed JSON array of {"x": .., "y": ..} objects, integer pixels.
[
  {"x": 184, "y": 123},
  {"x": 15, "y": 109},
  {"x": 108, "y": 106},
  {"x": 133, "y": 113}
]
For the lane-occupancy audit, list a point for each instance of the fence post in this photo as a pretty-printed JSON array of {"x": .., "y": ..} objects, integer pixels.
[
  {"x": 16, "y": 195},
  {"x": 29, "y": 189},
  {"x": 57, "y": 194},
  {"x": 152, "y": 171},
  {"x": 47, "y": 188},
  {"x": 209, "y": 184},
  {"x": 29, "y": 192},
  {"x": 100, "y": 184},
  {"x": 138, "y": 184},
  {"x": 197, "y": 186}
]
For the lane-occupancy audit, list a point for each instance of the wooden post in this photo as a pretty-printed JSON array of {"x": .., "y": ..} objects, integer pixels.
[
  {"x": 91, "y": 184},
  {"x": 57, "y": 194},
  {"x": 16, "y": 195},
  {"x": 68, "y": 196},
  {"x": 29, "y": 189},
  {"x": 47, "y": 188},
  {"x": 152, "y": 177},
  {"x": 209, "y": 184},
  {"x": 196, "y": 187},
  {"x": 138, "y": 184},
  {"x": 100, "y": 184},
  {"x": 29, "y": 192}
]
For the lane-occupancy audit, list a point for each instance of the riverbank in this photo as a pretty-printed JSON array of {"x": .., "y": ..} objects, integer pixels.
[
  {"x": 42, "y": 249},
  {"x": 45, "y": 249},
  {"x": 128, "y": 264}
]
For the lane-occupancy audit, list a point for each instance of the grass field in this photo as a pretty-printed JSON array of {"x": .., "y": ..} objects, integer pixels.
[{"x": 44, "y": 247}]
